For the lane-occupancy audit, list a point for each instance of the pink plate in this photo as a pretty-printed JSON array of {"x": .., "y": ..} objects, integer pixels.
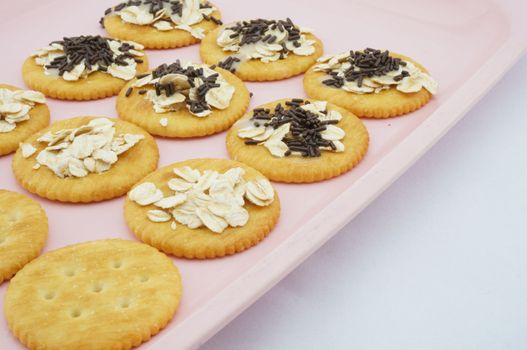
[{"x": 467, "y": 46}]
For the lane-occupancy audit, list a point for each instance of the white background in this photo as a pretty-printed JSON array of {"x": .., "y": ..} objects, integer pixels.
[{"x": 439, "y": 261}]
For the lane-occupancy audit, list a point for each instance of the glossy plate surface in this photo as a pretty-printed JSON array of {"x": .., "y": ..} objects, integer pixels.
[{"x": 466, "y": 45}]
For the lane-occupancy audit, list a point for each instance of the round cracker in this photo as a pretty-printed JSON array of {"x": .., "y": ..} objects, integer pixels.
[
  {"x": 38, "y": 119},
  {"x": 95, "y": 86},
  {"x": 132, "y": 165},
  {"x": 201, "y": 243},
  {"x": 23, "y": 232},
  {"x": 294, "y": 169},
  {"x": 256, "y": 70},
  {"x": 109, "y": 294},
  {"x": 151, "y": 38},
  {"x": 385, "y": 104},
  {"x": 140, "y": 111}
]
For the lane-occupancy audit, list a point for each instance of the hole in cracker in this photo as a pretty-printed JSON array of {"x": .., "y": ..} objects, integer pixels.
[
  {"x": 49, "y": 295},
  {"x": 97, "y": 287},
  {"x": 144, "y": 279},
  {"x": 14, "y": 217},
  {"x": 69, "y": 272},
  {"x": 117, "y": 264},
  {"x": 124, "y": 304},
  {"x": 76, "y": 313}
]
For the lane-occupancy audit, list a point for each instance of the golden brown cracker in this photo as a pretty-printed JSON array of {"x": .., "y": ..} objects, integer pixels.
[
  {"x": 138, "y": 110},
  {"x": 295, "y": 169},
  {"x": 108, "y": 294},
  {"x": 201, "y": 243},
  {"x": 255, "y": 70},
  {"x": 132, "y": 165},
  {"x": 385, "y": 104},
  {"x": 95, "y": 86},
  {"x": 38, "y": 119},
  {"x": 23, "y": 232},
  {"x": 151, "y": 38}
]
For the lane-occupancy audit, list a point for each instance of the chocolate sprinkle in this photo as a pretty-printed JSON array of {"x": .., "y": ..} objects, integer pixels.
[
  {"x": 305, "y": 130},
  {"x": 366, "y": 64},
  {"x": 92, "y": 50},
  {"x": 228, "y": 63}
]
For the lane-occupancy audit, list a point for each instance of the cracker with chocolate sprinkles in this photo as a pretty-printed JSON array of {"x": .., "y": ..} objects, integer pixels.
[
  {"x": 83, "y": 68},
  {"x": 107, "y": 294},
  {"x": 298, "y": 141},
  {"x": 148, "y": 223},
  {"x": 38, "y": 119},
  {"x": 66, "y": 178},
  {"x": 281, "y": 61},
  {"x": 134, "y": 106},
  {"x": 23, "y": 233},
  {"x": 159, "y": 36},
  {"x": 383, "y": 104}
]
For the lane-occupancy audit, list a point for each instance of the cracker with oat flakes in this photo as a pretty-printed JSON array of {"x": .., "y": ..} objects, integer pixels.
[
  {"x": 261, "y": 49},
  {"x": 84, "y": 67},
  {"x": 371, "y": 83},
  {"x": 299, "y": 141},
  {"x": 202, "y": 208},
  {"x": 184, "y": 100},
  {"x": 23, "y": 232},
  {"x": 108, "y": 294},
  {"x": 85, "y": 159},
  {"x": 160, "y": 24},
  {"x": 22, "y": 113}
]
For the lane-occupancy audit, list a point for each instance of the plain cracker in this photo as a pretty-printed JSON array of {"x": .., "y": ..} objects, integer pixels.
[
  {"x": 23, "y": 232},
  {"x": 109, "y": 294}
]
